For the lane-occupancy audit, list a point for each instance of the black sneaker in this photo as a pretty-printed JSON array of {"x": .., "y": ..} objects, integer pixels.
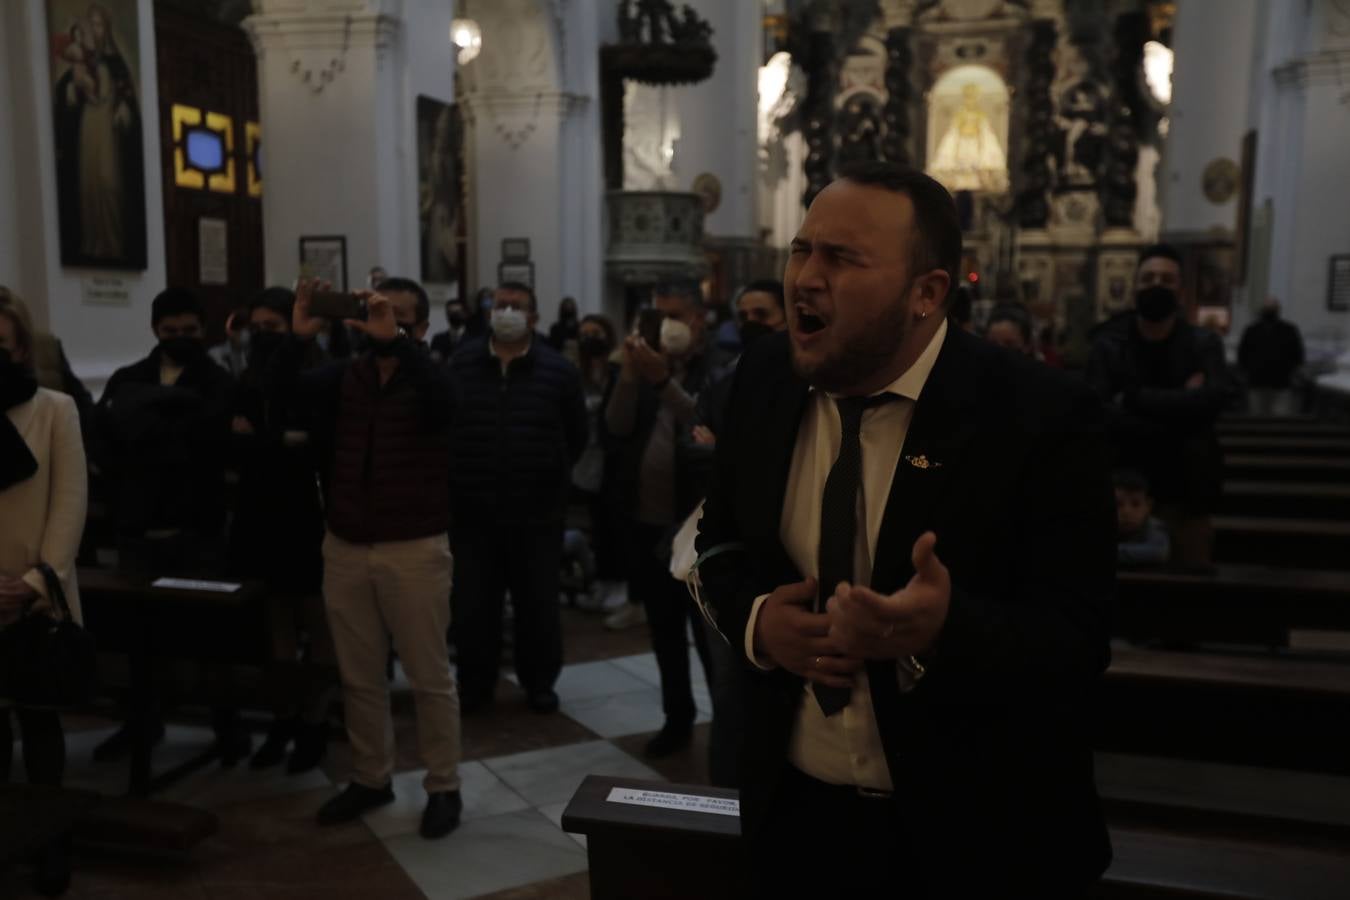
[
  {"x": 668, "y": 740},
  {"x": 234, "y": 747},
  {"x": 117, "y": 746},
  {"x": 442, "y": 814},
  {"x": 311, "y": 742},
  {"x": 354, "y": 802},
  {"x": 545, "y": 701}
]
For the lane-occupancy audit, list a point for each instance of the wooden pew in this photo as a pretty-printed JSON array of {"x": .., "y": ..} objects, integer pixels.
[
  {"x": 1247, "y": 710},
  {"x": 658, "y": 852},
  {"x": 125, "y": 614},
  {"x": 1296, "y": 500},
  {"x": 1291, "y": 543},
  {"x": 1289, "y": 445},
  {"x": 1295, "y": 426},
  {"x": 1285, "y": 467},
  {"x": 669, "y": 854},
  {"x": 1234, "y": 603}
]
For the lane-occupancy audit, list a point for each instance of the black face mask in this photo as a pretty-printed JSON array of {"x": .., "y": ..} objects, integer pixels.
[
  {"x": 456, "y": 320},
  {"x": 1155, "y": 303},
  {"x": 753, "y": 331},
  {"x": 593, "y": 346},
  {"x": 183, "y": 350},
  {"x": 262, "y": 344}
]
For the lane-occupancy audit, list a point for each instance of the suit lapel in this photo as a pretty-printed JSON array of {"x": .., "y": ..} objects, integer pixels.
[
  {"x": 777, "y": 440},
  {"x": 935, "y": 447}
]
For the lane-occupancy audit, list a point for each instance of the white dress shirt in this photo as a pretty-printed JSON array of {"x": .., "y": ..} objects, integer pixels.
[{"x": 845, "y": 748}]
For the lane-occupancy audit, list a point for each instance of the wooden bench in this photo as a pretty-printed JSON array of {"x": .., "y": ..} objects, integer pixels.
[
  {"x": 125, "y": 614},
  {"x": 1297, "y": 500},
  {"x": 1284, "y": 444},
  {"x": 1241, "y": 709},
  {"x": 1295, "y": 426},
  {"x": 1286, "y": 467},
  {"x": 1233, "y": 603},
  {"x": 1292, "y": 543},
  {"x": 657, "y": 852},
  {"x": 662, "y": 853}
]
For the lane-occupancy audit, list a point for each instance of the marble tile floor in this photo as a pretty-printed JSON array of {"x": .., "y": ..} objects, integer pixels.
[{"x": 519, "y": 772}]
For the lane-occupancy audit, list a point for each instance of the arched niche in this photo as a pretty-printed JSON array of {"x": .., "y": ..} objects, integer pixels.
[{"x": 968, "y": 130}]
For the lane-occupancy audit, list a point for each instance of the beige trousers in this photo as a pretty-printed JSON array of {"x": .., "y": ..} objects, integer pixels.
[{"x": 399, "y": 588}]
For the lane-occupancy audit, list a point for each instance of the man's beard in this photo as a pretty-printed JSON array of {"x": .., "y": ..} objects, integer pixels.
[{"x": 862, "y": 356}]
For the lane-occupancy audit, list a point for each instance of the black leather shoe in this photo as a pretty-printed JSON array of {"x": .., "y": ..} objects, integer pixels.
[
  {"x": 117, "y": 746},
  {"x": 354, "y": 802},
  {"x": 545, "y": 701},
  {"x": 51, "y": 873},
  {"x": 311, "y": 742},
  {"x": 474, "y": 704},
  {"x": 442, "y": 814},
  {"x": 234, "y": 747},
  {"x": 668, "y": 740},
  {"x": 273, "y": 749}
]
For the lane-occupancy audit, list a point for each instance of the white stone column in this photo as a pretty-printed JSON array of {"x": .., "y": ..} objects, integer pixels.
[
  {"x": 1215, "y": 42},
  {"x": 337, "y": 83},
  {"x": 533, "y": 144},
  {"x": 719, "y": 119},
  {"x": 1303, "y": 168}
]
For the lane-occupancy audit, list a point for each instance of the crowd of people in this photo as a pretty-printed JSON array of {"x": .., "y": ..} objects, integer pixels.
[{"x": 391, "y": 488}]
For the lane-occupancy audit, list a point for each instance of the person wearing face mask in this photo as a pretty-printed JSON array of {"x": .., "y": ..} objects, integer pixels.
[
  {"x": 378, "y": 429},
  {"x": 163, "y": 427},
  {"x": 443, "y": 345},
  {"x": 591, "y": 484},
  {"x": 661, "y": 474},
  {"x": 275, "y": 536},
  {"x": 43, "y": 497},
  {"x": 1165, "y": 382},
  {"x": 562, "y": 334},
  {"x": 1270, "y": 354},
  {"x": 520, "y": 428}
]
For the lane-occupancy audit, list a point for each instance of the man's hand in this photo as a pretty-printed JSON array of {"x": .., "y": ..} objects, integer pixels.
[
  {"x": 641, "y": 360},
  {"x": 1195, "y": 382},
  {"x": 704, "y": 437},
  {"x": 868, "y": 625},
  {"x": 791, "y": 636},
  {"x": 16, "y": 595},
  {"x": 241, "y": 425},
  {"x": 379, "y": 324},
  {"x": 303, "y": 325}
]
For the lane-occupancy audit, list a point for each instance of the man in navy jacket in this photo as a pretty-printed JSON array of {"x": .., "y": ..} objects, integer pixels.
[{"x": 520, "y": 426}]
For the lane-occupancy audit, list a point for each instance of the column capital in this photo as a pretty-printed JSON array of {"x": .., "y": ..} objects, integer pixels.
[{"x": 287, "y": 31}]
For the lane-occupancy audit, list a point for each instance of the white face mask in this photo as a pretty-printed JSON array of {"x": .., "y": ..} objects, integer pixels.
[
  {"x": 675, "y": 337},
  {"x": 509, "y": 325}
]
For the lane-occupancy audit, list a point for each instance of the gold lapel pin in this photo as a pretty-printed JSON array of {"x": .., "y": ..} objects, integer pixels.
[{"x": 922, "y": 462}]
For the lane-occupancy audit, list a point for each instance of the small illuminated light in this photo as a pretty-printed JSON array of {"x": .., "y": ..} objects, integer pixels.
[
  {"x": 973, "y": 277},
  {"x": 1158, "y": 71},
  {"x": 468, "y": 37}
]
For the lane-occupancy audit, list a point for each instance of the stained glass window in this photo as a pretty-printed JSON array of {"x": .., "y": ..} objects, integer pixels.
[{"x": 203, "y": 149}]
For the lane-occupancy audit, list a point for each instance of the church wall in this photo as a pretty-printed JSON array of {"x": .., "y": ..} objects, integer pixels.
[{"x": 97, "y": 338}]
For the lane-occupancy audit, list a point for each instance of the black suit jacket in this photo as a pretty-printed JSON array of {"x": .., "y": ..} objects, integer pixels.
[{"x": 990, "y": 753}]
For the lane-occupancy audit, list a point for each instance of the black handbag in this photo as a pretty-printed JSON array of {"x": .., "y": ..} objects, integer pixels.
[{"x": 47, "y": 661}]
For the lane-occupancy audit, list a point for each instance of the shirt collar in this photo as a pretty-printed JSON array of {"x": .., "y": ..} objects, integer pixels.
[{"x": 910, "y": 384}]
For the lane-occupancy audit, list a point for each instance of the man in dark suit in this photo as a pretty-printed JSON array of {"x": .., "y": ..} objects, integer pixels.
[{"x": 921, "y": 535}]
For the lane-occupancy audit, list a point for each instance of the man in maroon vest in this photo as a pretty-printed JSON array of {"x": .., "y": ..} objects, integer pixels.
[{"x": 379, "y": 427}]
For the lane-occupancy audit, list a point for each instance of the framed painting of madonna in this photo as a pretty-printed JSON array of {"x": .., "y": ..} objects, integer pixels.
[{"x": 94, "y": 53}]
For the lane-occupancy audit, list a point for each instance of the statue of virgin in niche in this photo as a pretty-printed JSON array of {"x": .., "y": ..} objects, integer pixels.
[{"x": 969, "y": 155}]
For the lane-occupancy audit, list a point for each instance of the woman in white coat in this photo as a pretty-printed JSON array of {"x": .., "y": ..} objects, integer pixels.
[{"x": 43, "y": 496}]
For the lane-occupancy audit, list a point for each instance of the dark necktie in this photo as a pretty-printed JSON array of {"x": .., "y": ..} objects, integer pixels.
[{"x": 839, "y": 522}]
